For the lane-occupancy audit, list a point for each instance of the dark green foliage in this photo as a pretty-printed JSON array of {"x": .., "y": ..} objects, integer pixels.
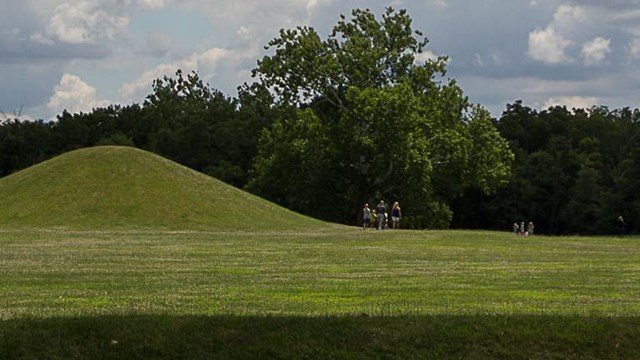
[
  {"x": 201, "y": 128},
  {"x": 23, "y": 144},
  {"x": 575, "y": 172},
  {"x": 370, "y": 119}
]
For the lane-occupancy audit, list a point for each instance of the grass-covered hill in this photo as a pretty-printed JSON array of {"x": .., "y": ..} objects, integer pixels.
[{"x": 126, "y": 188}]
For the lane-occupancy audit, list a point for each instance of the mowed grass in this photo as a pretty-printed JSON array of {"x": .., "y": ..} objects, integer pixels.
[
  {"x": 117, "y": 253},
  {"x": 325, "y": 293}
]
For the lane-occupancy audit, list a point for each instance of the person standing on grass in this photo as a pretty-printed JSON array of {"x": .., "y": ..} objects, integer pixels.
[
  {"x": 530, "y": 228},
  {"x": 366, "y": 216},
  {"x": 522, "y": 228},
  {"x": 516, "y": 228},
  {"x": 621, "y": 226},
  {"x": 381, "y": 210},
  {"x": 396, "y": 214}
]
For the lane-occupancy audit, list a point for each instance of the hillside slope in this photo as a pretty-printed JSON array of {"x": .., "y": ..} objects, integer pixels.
[{"x": 115, "y": 187}]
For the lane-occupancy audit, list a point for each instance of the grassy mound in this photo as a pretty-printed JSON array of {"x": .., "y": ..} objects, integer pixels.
[{"x": 122, "y": 187}]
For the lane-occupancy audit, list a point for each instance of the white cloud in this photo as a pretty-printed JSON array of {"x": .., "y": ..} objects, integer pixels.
[
  {"x": 211, "y": 65},
  {"x": 81, "y": 22},
  {"x": 71, "y": 24},
  {"x": 313, "y": 5},
  {"x": 154, "y": 4},
  {"x": 572, "y": 102},
  {"x": 41, "y": 39},
  {"x": 493, "y": 59},
  {"x": 74, "y": 95},
  {"x": 634, "y": 48},
  {"x": 136, "y": 42},
  {"x": 280, "y": 11},
  {"x": 440, "y": 3},
  {"x": 569, "y": 18},
  {"x": 500, "y": 59},
  {"x": 548, "y": 46},
  {"x": 573, "y": 25},
  {"x": 607, "y": 89},
  {"x": 246, "y": 33},
  {"x": 595, "y": 51},
  {"x": 265, "y": 18},
  {"x": 478, "y": 61},
  {"x": 214, "y": 63},
  {"x": 628, "y": 20},
  {"x": 140, "y": 87},
  {"x": 424, "y": 56},
  {"x": 158, "y": 44}
]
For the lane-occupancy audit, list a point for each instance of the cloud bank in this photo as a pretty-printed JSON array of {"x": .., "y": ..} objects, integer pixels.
[{"x": 76, "y": 55}]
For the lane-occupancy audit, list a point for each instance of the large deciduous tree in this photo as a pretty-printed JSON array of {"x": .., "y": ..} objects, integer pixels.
[{"x": 368, "y": 115}]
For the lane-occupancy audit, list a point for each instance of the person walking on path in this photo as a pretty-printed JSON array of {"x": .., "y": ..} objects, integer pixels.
[
  {"x": 396, "y": 214},
  {"x": 366, "y": 216}
]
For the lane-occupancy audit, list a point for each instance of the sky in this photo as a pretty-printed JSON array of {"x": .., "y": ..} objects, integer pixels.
[{"x": 82, "y": 54}]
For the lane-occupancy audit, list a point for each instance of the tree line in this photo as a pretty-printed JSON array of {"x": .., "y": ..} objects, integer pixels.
[
  {"x": 362, "y": 116},
  {"x": 183, "y": 119},
  {"x": 575, "y": 172}
]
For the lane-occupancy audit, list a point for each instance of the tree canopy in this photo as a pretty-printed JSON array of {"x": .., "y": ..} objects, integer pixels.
[
  {"x": 371, "y": 118},
  {"x": 576, "y": 171}
]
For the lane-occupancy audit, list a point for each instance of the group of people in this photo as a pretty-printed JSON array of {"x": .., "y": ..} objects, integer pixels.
[
  {"x": 378, "y": 218},
  {"x": 522, "y": 230}
]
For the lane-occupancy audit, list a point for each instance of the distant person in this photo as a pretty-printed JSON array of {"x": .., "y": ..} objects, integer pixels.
[
  {"x": 530, "y": 228},
  {"x": 516, "y": 228},
  {"x": 522, "y": 228},
  {"x": 396, "y": 214},
  {"x": 621, "y": 226},
  {"x": 373, "y": 220},
  {"x": 381, "y": 210},
  {"x": 366, "y": 216}
]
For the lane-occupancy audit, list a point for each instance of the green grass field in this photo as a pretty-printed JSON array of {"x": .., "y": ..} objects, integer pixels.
[
  {"x": 341, "y": 293},
  {"x": 116, "y": 253}
]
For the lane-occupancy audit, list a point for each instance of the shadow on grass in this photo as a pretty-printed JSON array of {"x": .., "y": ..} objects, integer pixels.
[{"x": 357, "y": 337}]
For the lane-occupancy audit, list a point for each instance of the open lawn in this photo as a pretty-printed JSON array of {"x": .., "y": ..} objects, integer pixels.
[{"x": 338, "y": 292}]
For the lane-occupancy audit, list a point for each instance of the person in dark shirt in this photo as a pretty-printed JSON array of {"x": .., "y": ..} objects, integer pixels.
[
  {"x": 621, "y": 226},
  {"x": 396, "y": 214},
  {"x": 366, "y": 216},
  {"x": 381, "y": 210}
]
